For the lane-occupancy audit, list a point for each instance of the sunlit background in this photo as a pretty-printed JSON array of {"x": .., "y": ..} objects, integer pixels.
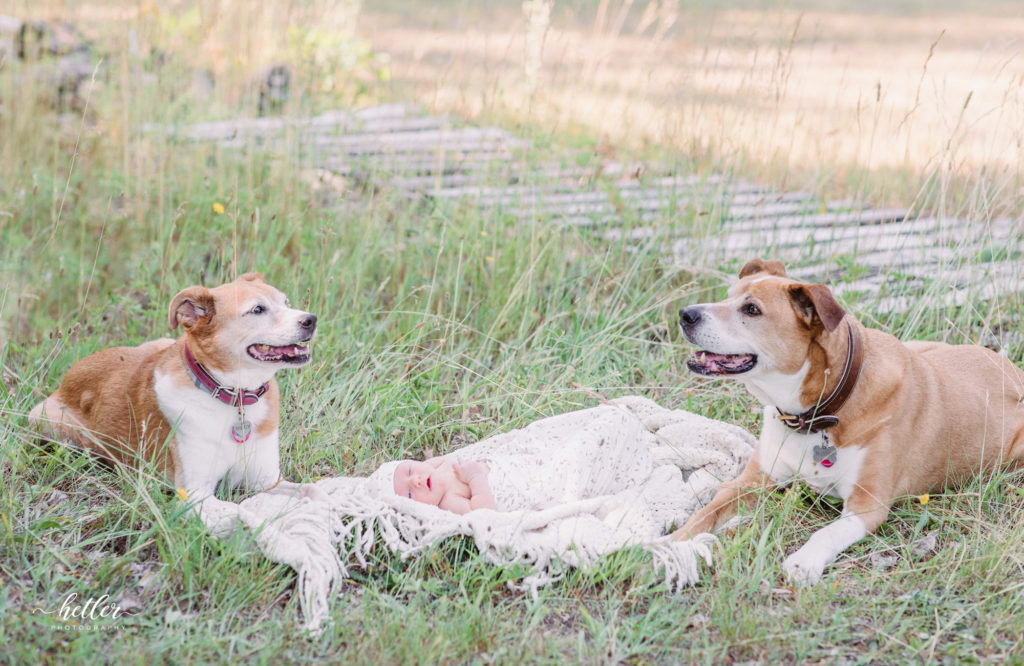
[{"x": 812, "y": 92}]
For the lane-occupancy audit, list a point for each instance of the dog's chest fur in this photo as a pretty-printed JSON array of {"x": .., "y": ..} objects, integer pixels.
[
  {"x": 786, "y": 455},
  {"x": 202, "y": 432}
]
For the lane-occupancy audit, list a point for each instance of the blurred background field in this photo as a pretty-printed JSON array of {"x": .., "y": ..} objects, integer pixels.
[{"x": 446, "y": 319}]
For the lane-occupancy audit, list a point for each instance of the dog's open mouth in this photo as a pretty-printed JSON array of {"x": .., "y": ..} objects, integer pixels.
[
  {"x": 708, "y": 363},
  {"x": 291, "y": 354}
]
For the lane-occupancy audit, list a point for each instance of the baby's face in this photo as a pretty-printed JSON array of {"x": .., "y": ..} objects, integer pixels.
[{"x": 422, "y": 481}]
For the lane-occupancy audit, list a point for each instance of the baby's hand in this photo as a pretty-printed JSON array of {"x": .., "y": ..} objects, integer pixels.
[{"x": 468, "y": 470}]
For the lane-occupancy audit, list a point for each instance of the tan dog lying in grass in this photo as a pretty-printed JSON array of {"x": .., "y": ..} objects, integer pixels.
[
  {"x": 202, "y": 408},
  {"x": 851, "y": 411}
]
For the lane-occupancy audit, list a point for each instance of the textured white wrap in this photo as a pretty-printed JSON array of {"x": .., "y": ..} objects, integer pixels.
[{"x": 570, "y": 489}]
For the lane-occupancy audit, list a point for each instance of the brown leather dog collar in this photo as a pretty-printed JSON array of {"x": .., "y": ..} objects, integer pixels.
[
  {"x": 202, "y": 378},
  {"x": 822, "y": 415}
]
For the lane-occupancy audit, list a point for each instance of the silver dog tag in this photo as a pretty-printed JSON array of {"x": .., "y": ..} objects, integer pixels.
[
  {"x": 241, "y": 430},
  {"x": 825, "y": 454}
]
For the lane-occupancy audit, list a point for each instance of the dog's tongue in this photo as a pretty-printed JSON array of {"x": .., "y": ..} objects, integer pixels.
[
  {"x": 712, "y": 363},
  {"x": 268, "y": 352}
]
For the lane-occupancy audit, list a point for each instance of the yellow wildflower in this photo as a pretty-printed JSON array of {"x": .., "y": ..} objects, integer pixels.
[
  {"x": 182, "y": 494},
  {"x": 923, "y": 499},
  {"x": 490, "y": 259},
  {"x": 218, "y": 208}
]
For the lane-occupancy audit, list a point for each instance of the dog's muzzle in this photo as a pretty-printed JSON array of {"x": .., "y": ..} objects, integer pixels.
[{"x": 708, "y": 363}]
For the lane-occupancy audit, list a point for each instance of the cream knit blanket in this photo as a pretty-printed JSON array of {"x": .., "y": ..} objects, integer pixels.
[{"x": 571, "y": 488}]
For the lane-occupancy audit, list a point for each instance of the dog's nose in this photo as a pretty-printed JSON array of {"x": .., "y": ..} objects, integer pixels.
[
  {"x": 308, "y": 323},
  {"x": 689, "y": 317}
]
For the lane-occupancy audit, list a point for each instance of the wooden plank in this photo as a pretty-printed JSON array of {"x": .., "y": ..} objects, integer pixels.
[
  {"x": 389, "y": 166},
  {"x": 904, "y": 260},
  {"x": 422, "y": 138},
  {"x": 871, "y": 237},
  {"x": 381, "y": 111},
  {"x": 954, "y": 284},
  {"x": 429, "y": 185},
  {"x": 384, "y": 125},
  {"x": 233, "y": 129},
  {"x": 709, "y": 222},
  {"x": 634, "y": 235},
  {"x": 584, "y": 221},
  {"x": 595, "y": 210},
  {"x": 767, "y": 203},
  {"x": 602, "y": 209},
  {"x": 413, "y": 153},
  {"x": 925, "y": 232},
  {"x": 862, "y": 217},
  {"x": 560, "y": 199},
  {"x": 511, "y": 193},
  {"x": 384, "y": 117},
  {"x": 688, "y": 250}
]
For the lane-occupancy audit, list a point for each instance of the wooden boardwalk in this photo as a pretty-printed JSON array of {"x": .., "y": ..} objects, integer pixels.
[{"x": 862, "y": 252}]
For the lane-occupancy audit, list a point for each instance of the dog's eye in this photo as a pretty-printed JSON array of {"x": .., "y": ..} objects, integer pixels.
[
  {"x": 259, "y": 309},
  {"x": 750, "y": 310}
]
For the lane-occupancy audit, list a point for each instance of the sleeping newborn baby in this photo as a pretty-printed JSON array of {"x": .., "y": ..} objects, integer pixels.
[{"x": 459, "y": 487}]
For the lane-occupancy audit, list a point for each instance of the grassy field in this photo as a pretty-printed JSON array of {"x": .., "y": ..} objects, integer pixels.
[{"x": 441, "y": 325}]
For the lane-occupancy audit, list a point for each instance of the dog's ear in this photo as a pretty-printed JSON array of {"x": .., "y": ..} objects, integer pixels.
[
  {"x": 250, "y": 277},
  {"x": 190, "y": 307},
  {"x": 815, "y": 301},
  {"x": 755, "y": 266}
]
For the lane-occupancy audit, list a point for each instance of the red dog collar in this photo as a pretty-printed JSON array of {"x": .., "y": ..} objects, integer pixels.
[{"x": 202, "y": 378}]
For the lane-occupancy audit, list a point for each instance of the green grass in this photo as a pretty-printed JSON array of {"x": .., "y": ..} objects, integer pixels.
[{"x": 440, "y": 325}]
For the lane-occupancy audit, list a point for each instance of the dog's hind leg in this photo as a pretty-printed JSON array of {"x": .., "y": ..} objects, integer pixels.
[
  {"x": 1015, "y": 453},
  {"x": 55, "y": 421}
]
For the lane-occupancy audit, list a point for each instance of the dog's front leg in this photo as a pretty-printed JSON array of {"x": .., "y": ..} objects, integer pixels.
[
  {"x": 262, "y": 473},
  {"x": 862, "y": 514},
  {"x": 724, "y": 504},
  {"x": 294, "y": 489},
  {"x": 221, "y": 518}
]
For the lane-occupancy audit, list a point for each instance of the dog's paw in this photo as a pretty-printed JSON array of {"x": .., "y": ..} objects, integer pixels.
[{"x": 803, "y": 570}]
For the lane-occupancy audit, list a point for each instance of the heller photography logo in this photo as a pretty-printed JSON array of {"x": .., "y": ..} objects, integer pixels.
[{"x": 89, "y": 614}]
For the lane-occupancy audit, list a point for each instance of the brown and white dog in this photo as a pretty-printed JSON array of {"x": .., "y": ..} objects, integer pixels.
[
  {"x": 202, "y": 408},
  {"x": 851, "y": 411}
]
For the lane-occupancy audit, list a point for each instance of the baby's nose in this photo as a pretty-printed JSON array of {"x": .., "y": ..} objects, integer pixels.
[{"x": 418, "y": 481}]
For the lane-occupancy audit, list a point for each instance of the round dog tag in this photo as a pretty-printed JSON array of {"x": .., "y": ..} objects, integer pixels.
[{"x": 241, "y": 430}]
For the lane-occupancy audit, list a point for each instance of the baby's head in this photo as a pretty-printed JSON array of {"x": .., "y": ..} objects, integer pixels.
[{"x": 425, "y": 482}]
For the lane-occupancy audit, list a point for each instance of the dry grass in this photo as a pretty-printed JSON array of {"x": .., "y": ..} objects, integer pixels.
[{"x": 781, "y": 95}]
